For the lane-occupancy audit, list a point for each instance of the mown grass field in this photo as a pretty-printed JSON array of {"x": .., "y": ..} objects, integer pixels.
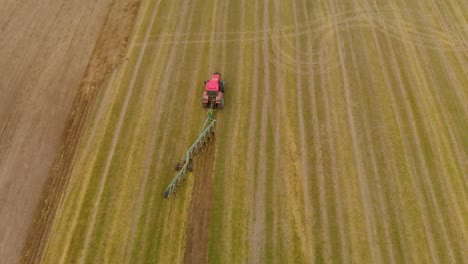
[{"x": 343, "y": 138}]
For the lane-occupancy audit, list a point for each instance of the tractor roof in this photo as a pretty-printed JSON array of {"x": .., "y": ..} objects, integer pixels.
[{"x": 212, "y": 85}]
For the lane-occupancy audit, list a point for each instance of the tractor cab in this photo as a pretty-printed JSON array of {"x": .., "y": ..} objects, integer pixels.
[
  {"x": 213, "y": 96},
  {"x": 214, "y": 83}
]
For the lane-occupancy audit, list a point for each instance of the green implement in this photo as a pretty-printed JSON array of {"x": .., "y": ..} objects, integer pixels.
[{"x": 207, "y": 132}]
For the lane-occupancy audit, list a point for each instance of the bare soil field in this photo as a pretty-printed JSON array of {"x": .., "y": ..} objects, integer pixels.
[
  {"x": 47, "y": 83},
  {"x": 343, "y": 138}
]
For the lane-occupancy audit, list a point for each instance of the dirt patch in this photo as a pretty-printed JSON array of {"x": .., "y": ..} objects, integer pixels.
[
  {"x": 44, "y": 51},
  {"x": 196, "y": 249},
  {"x": 109, "y": 51}
]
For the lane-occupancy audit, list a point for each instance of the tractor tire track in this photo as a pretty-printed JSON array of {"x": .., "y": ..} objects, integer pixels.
[
  {"x": 229, "y": 230},
  {"x": 243, "y": 237},
  {"x": 228, "y": 197},
  {"x": 252, "y": 130},
  {"x": 325, "y": 252},
  {"x": 256, "y": 209},
  {"x": 283, "y": 236},
  {"x": 211, "y": 42},
  {"x": 259, "y": 226},
  {"x": 305, "y": 169}
]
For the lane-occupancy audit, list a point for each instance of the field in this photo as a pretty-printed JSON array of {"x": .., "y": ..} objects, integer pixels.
[
  {"x": 44, "y": 52},
  {"x": 343, "y": 138}
]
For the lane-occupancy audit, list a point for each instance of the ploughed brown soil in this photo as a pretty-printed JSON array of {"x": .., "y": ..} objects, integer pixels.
[
  {"x": 54, "y": 57},
  {"x": 196, "y": 248}
]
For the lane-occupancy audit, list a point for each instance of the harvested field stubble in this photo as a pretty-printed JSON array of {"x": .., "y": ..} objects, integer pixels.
[{"x": 343, "y": 138}]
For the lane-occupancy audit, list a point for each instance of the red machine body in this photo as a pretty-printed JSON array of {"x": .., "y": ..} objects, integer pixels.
[{"x": 213, "y": 96}]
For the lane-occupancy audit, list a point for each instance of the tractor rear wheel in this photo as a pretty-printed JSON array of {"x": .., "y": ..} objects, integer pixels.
[
  {"x": 222, "y": 86},
  {"x": 221, "y": 105}
]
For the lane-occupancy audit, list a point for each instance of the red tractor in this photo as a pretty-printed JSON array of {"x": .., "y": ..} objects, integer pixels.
[{"x": 213, "y": 96}]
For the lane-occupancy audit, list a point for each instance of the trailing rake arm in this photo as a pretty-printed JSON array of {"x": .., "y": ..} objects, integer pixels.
[{"x": 186, "y": 163}]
